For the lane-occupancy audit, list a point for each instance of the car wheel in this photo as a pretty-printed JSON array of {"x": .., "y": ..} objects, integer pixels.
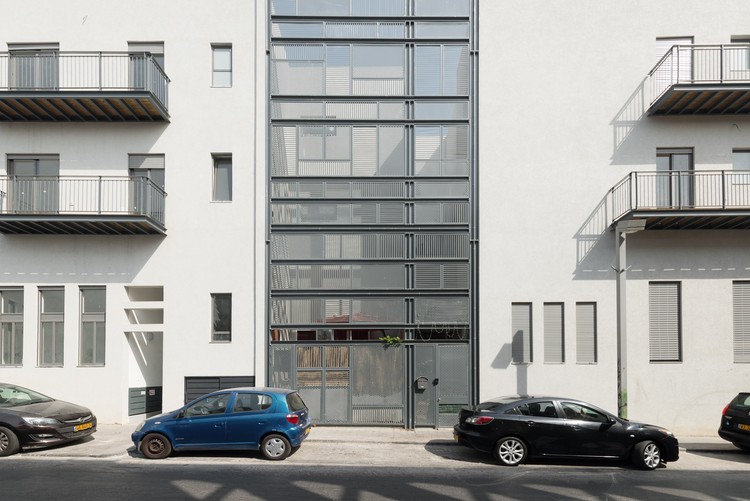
[
  {"x": 743, "y": 447},
  {"x": 8, "y": 442},
  {"x": 156, "y": 446},
  {"x": 511, "y": 451},
  {"x": 275, "y": 447},
  {"x": 646, "y": 455}
]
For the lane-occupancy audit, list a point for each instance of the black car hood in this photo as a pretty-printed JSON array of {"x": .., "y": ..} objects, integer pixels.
[{"x": 57, "y": 409}]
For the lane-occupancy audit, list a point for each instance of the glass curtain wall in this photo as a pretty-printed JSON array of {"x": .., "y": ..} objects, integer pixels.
[{"x": 371, "y": 189}]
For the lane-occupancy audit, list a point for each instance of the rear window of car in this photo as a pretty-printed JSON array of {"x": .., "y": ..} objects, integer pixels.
[
  {"x": 741, "y": 402},
  {"x": 496, "y": 403},
  {"x": 295, "y": 402}
]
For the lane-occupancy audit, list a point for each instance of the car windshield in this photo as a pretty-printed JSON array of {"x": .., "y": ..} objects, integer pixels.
[{"x": 12, "y": 396}]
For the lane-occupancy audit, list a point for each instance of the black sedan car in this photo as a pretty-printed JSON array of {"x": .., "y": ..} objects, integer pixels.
[
  {"x": 735, "y": 422},
  {"x": 30, "y": 420},
  {"x": 514, "y": 428}
]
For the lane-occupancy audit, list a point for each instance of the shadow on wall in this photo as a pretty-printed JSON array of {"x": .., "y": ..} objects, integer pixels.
[
  {"x": 504, "y": 360},
  {"x": 595, "y": 246},
  {"x": 626, "y": 126}
]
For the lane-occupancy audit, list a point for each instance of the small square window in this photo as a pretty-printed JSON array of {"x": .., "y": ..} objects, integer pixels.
[{"x": 221, "y": 65}]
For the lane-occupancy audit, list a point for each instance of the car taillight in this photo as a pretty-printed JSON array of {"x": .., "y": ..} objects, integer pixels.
[
  {"x": 724, "y": 412},
  {"x": 479, "y": 420},
  {"x": 292, "y": 418}
]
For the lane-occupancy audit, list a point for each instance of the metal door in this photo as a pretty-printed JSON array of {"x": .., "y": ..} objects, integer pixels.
[{"x": 441, "y": 385}]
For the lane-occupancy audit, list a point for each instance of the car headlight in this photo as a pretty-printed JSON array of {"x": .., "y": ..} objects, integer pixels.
[
  {"x": 665, "y": 432},
  {"x": 140, "y": 426},
  {"x": 41, "y": 421}
]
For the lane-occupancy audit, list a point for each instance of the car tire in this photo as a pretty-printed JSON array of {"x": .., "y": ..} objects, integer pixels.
[
  {"x": 156, "y": 446},
  {"x": 743, "y": 447},
  {"x": 511, "y": 451},
  {"x": 275, "y": 447},
  {"x": 647, "y": 455},
  {"x": 8, "y": 442}
]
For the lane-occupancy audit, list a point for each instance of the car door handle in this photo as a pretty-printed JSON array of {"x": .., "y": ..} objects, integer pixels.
[
  {"x": 531, "y": 423},
  {"x": 576, "y": 428}
]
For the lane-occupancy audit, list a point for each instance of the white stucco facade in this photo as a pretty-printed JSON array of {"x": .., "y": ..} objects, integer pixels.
[
  {"x": 563, "y": 94},
  {"x": 210, "y": 247}
]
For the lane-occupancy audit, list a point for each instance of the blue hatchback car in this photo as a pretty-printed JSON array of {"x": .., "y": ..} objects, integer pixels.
[{"x": 272, "y": 420}]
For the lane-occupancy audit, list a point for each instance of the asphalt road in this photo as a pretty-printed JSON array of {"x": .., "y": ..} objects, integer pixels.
[
  {"x": 193, "y": 479},
  {"x": 332, "y": 471}
]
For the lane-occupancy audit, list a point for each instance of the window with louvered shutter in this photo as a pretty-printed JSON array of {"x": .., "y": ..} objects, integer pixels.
[
  {"x": 665, "y": 326},
  {"x": 741, "y": 300},
  {"x": 586, "y": 342},
  {"x": 554, "y": 334},
  {"x": 521, "y": 333}
]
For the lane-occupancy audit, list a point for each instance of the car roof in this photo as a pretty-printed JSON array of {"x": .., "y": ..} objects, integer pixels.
[{"x": 264, "y": 389}]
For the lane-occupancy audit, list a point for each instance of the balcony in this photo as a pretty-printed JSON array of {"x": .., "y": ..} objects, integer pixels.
[
  {"x": 683, "y": 200},
  {"x": 702, "y": 80},
  {"x": 81, "y": 205},
  {"x": 82, "y": 87}
]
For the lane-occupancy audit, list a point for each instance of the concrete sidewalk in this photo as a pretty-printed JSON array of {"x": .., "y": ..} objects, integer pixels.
[{"x": 111, "y": 440}]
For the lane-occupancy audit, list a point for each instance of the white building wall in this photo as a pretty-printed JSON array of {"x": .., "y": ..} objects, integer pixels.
[
  {"x": 209, "y": 247},
  {"x": 562, "y": 104}
]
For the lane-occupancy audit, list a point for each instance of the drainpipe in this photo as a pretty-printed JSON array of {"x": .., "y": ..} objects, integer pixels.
[{"x": 622, "y": 229}]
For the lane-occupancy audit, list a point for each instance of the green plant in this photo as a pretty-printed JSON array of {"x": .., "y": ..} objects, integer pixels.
[{"x": 391, "y": 340}]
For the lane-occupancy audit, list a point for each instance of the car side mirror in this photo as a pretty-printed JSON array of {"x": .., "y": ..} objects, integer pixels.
[{"x": 612, "y": 420}]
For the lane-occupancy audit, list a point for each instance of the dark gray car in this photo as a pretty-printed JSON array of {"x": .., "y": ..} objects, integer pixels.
[{"x": 31, "y": 420}]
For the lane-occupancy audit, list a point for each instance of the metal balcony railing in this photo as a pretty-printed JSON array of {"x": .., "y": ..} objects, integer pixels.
[
  {"x": 81, "y": 195},
  {"x": 83, "y": 71},
  {"x": 680, "y": 191},
  {"x": 700, "y": 64}
]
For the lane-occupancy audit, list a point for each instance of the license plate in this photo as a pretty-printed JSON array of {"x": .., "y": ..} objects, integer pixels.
[
  {"x": 307, "y": 431},
  {"x": 745, "y": 427},
  {"x": 84, "y": 426}
]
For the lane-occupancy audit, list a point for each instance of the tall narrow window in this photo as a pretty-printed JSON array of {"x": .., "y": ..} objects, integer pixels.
[
  {"x": 34, "y": 186},
  {"x": 146, "y": 177},
  {"x": 93, "y": 330},
  {"x": 11, "y": 326},
  {"x": 222, "y": 182},
  {"x": 586, "y": 342},
  {"x": 554, "y": 333},
  {"x": 34, "y": 66},
  {"x": 675, "y": 183},
  {"x": 146, "y": 65},
  {"x": 741, "y": 341},
  {"x": 221, "y": 65},
  {"x": 521, "y": 332},
  {"x": 664, "y": 322},
  {"x": 51, "y": 322},
  {"x": 221, "y": 317}
]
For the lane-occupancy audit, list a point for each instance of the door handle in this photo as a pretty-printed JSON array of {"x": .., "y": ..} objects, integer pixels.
[
  {"x": 576, "y": 428},
  {"x": 531, "y": 423}
]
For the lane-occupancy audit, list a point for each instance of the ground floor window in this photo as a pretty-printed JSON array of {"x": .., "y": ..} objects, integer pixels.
[
  {"x": 521, "y": 333},
  {"x": 51, "y": 326},
  {"x": 11, "y": 326},
  {"x": 741, "y": 321},
  {"x": 665, "y": 322}
]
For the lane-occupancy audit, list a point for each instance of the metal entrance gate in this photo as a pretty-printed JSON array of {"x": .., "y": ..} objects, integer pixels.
[
  {"x": 344, "y": 384},
  {"x": 367, "y": 384},
  {"x": 441, "y": 384}
]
